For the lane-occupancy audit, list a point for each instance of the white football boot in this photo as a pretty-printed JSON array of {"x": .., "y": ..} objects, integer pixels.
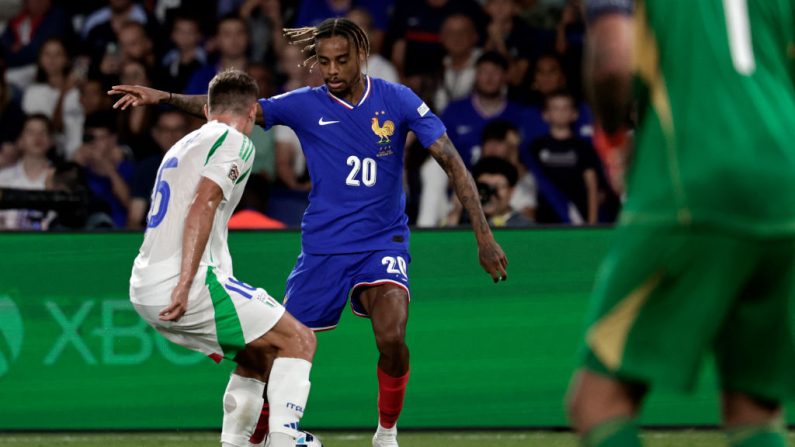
[{"x": 385, "y": 437}]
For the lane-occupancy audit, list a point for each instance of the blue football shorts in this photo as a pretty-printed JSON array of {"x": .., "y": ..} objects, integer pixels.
[{"x": 320, "y": 285}]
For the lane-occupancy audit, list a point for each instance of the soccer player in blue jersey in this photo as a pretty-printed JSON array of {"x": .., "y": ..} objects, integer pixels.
[{"x": 355, "y": 235}]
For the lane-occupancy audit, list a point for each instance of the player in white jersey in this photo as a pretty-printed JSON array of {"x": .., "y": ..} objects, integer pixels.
[{"x": 182, "y": 281}]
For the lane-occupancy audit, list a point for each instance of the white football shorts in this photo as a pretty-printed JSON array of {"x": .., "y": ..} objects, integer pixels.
[{"x": 224, "y": 314}]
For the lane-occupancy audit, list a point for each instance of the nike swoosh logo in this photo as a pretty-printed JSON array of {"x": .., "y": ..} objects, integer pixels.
[{"x": 326, "y": 123}]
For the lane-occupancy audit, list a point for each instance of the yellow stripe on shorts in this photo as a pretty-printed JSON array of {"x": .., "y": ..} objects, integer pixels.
[{"x": 608, "y": 336}]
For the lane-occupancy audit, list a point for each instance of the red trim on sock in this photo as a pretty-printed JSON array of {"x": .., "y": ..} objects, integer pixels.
[
  {"x": 391, "y": 391},
  {"x": 262, "y": 425}
]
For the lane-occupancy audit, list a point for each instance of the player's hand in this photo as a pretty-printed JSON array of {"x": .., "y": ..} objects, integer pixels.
[
  {"x": 178, "y": 306},
  {"x": 137, "y": 95},
  {"x": 493, "y": 260}
]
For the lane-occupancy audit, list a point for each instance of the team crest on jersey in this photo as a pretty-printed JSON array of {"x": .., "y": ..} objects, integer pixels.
[
  {"x": 234, "y": 173},
  {"x": 382, "y": 131}
]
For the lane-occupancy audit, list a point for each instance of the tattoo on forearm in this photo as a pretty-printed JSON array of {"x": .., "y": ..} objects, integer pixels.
[
  {"x": 193, "y": 104},
  {"x": 463, "y": 183}
]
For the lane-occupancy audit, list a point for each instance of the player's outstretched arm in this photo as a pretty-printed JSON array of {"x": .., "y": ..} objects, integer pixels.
[
  {"x": 138, "y": 95},
  {"x": 195, "y": 235},
  {"x": 492, "y": 258}
]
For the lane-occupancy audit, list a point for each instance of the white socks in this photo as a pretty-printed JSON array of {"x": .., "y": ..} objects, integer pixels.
[
  {"x": 242, "y": 404},
  {"x": 288, "y": 390}
]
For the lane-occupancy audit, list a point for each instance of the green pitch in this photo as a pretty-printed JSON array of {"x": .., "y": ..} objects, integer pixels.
[{"x": 683, "y": 438}]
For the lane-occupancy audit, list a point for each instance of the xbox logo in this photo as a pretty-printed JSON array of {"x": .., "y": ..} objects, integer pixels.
[{"x": 11, "y": 333}]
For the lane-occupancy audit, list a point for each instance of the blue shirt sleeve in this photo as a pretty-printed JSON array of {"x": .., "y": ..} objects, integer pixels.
[
  {"x": 419, "y": 117},
  {"x": 281, "y": 109},
  {"x": 596, "y": 8}
]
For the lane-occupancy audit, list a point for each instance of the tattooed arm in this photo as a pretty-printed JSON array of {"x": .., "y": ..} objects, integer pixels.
[
  {"x": 492, "y": 258},
  {"x": 136, "y": 95}
]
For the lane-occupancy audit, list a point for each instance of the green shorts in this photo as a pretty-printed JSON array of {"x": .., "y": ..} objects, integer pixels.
[{"x": 665, "y": 297}]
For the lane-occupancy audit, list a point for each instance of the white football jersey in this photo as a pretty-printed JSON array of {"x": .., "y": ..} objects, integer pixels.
[{"x": 215, "y": 151}]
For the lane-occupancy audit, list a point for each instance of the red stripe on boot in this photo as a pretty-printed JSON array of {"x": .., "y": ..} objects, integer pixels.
[
  {"x": 262, "y": 425},
  {"x": 391, "y": 391}
]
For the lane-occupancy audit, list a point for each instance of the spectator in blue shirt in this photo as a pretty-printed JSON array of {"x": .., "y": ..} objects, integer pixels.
[{"x": 466, "y": 118}]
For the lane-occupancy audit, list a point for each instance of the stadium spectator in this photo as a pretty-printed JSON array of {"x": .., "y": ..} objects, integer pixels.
[
  {"x": 24, "y": 35},
  {"x": 101, "y": 36},
  {"x": 566, "y": 166},
  {"x": 291, "y": 169},
  {"x": 496, "y": 179},
  {"x": 459, "y": 40},
  {"x": 107, "y": 165},
  {"x": 502, "y": 139},
  {"x": 12, "y": 119},
  {"x": 264, "y": 141},
  {"x": 548, "y": 77},
  {"x": 414, "y": 31},
  {"x": 264, "y": 77},
  {"x": 232, "y": 41},
  {"x": 569, "y": 42},
  {"x": 171, "y": 126},
  {"x": 93, "y": 98},
  {"x": 104, "y": 23},
  {"x": 434, "y": 199},
  {"x": 265, "y": 24},
  {"x": 135, "y": 45},
  {"x": 89, "y": 214},
  {"x": 30, "y": 172},
  {"x": 167, "y": 11},
  {"x": 465, "y": 118},
  {"x": 312, "y": 12},
  {"x": 512, "y": 37},
  {"x": 377, "y": 65},
  {"x": 186, "y": 57},
  {"x": 291, "y": 69},
  {"x": 134, "y": 126},
  {"x": 55, "y": 94}
]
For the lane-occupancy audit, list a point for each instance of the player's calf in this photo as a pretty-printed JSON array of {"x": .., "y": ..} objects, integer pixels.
[
  {"x": 242, "y": 400},
  {"x": 288, "y": 382},
  {"x": 752, "y": 422},
  {"x": 602, "y": 410}
]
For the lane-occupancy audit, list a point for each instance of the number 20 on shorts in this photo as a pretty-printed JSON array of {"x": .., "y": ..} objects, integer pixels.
[{"x": 395, "y": 265}]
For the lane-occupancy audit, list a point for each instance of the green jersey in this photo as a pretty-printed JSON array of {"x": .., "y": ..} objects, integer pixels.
[{"x": 715, "y": 144}]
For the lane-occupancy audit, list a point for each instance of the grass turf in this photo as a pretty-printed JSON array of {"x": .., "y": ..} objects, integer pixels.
[{"x": 680, "y": 438}]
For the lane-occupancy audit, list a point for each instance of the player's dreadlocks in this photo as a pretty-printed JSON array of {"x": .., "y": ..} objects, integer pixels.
[{"x": 310, "y": 35}]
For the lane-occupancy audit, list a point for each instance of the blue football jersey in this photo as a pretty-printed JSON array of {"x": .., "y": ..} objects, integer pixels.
[{"x": 354, "y": 154}]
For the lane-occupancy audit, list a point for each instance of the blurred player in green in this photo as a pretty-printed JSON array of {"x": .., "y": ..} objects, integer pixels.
[{"x": 704, "y": 256}]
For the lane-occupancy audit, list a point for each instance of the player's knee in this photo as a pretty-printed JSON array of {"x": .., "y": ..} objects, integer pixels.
[
  {"x": 391, "y": 340},
  {"x": 304, "y": 343},
  {"x": 576, "y": 409}
]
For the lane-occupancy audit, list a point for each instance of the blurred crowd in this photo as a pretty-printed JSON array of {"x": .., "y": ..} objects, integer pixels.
[{"x": 503, "y": 75}]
